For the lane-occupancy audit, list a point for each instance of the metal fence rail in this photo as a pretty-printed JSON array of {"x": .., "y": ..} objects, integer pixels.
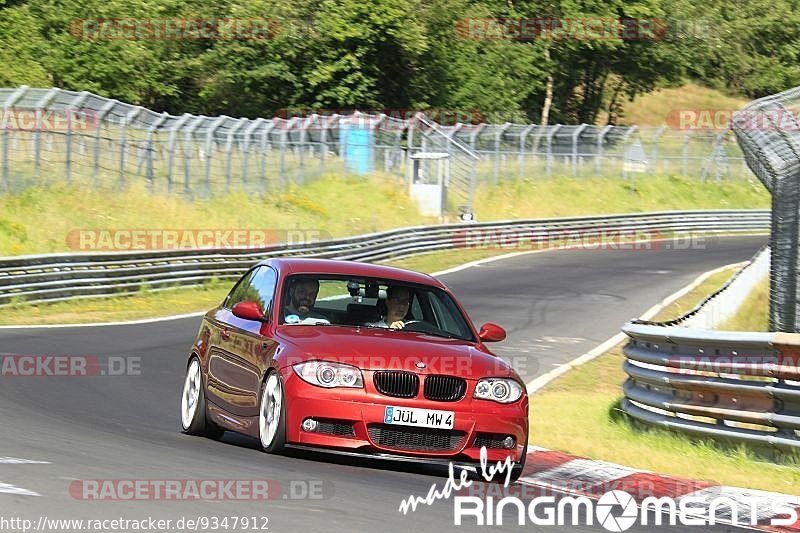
[
  {"x": 741, "y": 387},
  {"x": 55, "y": 136},
  {"x": 54, "y": 277},
  {"x": 768, "y": 132}
]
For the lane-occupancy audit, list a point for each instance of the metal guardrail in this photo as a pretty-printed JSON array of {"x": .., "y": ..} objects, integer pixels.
[
  {"x": 54, "y": 277},
  {"x": 741, "y": 387}
]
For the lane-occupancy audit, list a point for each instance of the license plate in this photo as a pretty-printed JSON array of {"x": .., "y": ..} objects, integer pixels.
[{"x": 423, "y": 418}]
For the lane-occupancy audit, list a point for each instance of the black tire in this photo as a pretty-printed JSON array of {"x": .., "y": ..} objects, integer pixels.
[
  {"x": 194, "y": 420},
  {"x": 516, "y": 472},
  {"x": 271, "y": 390}
]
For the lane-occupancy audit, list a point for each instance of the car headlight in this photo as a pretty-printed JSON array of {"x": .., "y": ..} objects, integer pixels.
[
  {"x": 329, "y": 375},
  {"x": 500, "y": 390}
]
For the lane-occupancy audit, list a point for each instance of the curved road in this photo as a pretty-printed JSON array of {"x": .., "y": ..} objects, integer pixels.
[{"x": 555, "y": 305}]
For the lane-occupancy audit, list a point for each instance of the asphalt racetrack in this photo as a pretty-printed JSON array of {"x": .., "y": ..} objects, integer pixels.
[{"x": 555, "y": 306}]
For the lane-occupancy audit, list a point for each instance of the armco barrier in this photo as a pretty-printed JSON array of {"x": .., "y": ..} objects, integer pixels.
[
  {"x": 742, "y": 387},
  {"x": 55, "y": 277}
]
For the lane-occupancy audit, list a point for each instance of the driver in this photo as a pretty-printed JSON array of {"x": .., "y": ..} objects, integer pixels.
[
  {"x": 397, "y": 302},
  {"x": 302, "y": 297}
]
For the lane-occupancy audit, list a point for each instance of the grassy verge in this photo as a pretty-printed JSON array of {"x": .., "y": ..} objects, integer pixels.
[
  {"x": 691, "y": 299},
  {"x": 753, "y": 315},
  {"x": 579, "y": 414},
  {"x": 179, "y": 301},
  {"x": 42, "y": 220},
  {"x": 556, "y": 197},
  {"x": 145, "y": 304},
  {"x": 651, "y": 109}
]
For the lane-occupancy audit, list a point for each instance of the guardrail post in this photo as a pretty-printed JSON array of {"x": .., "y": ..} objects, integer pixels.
[
  {"x": 12, "y": 99},
  {"x": 522, "y": 136},
  {"x": 410, "y": 150},
  {"x": 173, "y": 134},
  {"x": 229, "y": 152},
  {"x": 150, "y": 149},
  {"x": 304, "y": 122},
  {"x": 656, "y": 136},
  {"x": 188, "y": 151},
  {"x": 123, "y": 138},
  {"x": 248, "y": 135},
  {"x": 209, "y": 147},
  {"x": 498, "y": 136},
  {"x": 264, "y": 153},
  {"x": 71, "y": 108},
  {"x": 102, "y": 115},
  {"x": 323, "y": 140},
  {"x": 601, "y": 146},
  {"x": 41, "y": 104},
  {"x": 685, "y": 155},
  {"x": 575, "y": 135},
  {"x": 550, "y": 134},
  {"x": 623, "y": 142},
  {"x": 284, "y": 140}
]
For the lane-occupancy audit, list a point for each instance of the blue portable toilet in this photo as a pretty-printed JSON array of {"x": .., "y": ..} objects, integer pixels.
[{"x": 356, "y": 138}]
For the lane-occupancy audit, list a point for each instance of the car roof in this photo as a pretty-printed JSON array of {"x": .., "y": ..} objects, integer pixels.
[{"x": 294, "y": 265}]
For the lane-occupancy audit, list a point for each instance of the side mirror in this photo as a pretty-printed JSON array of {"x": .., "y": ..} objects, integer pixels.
[
  {"x": 491, "y": 333},
  {"x": 249, "y": 311}
]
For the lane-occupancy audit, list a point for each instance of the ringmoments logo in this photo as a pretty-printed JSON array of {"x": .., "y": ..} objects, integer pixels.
[
  {"x": 615, "y": 510},
  {"x": 618, "y": 511}
]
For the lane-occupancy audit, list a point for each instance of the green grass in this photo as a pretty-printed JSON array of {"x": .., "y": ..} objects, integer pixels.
[
  {"x": 41, "y": 220},
  {"x": 533, "y": 198},
  {"x": 753, "y": 315},
  {"x": 579, "y": 414},
  {"x": 651, "y": 109}
]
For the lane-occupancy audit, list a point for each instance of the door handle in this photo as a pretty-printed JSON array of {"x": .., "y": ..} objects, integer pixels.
[{"x": 225, "y": 333}]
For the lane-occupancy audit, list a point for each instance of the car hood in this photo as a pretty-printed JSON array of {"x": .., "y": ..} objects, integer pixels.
[{"x": 382, "y": 349}]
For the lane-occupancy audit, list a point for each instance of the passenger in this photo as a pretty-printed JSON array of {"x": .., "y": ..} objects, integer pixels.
[
  {"x": 397, "y": 301},
  {"x": 301, "y": 297}
]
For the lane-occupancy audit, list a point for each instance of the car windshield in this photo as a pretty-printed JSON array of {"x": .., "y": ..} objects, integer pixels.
[{"x": 379, "y": 303}]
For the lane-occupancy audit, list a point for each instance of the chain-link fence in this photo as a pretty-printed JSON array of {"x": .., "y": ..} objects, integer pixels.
[
  {"x": 768, "y": 132},
  {"x": 52, "y": 135}
]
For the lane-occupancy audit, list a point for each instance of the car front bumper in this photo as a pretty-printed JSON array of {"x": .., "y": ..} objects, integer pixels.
[{"x": 364, "y": 410}]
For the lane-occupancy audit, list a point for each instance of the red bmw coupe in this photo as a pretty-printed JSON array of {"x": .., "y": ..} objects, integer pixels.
[{"x": 353, "y": 358}]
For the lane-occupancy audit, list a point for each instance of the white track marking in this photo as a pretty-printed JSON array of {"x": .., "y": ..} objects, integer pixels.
[
  {"x": 17, "y": 461},
  {"x": 537, "y": 383},
  {"x": 11, "y": 489},
  {"x": 100, "y": 324}
]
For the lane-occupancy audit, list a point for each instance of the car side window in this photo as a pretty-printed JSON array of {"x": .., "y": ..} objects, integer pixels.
[
  {"x": 241, "y": 290},
  {"x": 264, "y": 281}
]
